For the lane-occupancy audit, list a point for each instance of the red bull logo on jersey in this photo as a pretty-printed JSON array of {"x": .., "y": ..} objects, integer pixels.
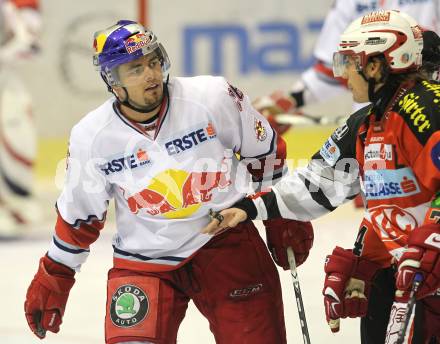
[
  {"x": 177, "y": 193},
  {"x": 136, "y": 42},
  {"x": 260, "y": 130},
  {"x": 384, "y": 184},
  {"x": 140, "y": 158},
  {"x": 190, "y": 140}
]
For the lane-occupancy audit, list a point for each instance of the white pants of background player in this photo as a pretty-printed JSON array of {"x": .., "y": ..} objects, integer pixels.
[{"x": 18, "y": 148}]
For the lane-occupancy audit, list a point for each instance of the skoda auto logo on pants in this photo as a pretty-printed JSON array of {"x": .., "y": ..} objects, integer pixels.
[{"x": 129, "y": 306}]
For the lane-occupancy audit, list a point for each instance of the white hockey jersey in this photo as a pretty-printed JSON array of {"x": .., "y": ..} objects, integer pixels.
[
  {"x": 164, "y": 186},
  {"x": 319, "y": 79}
]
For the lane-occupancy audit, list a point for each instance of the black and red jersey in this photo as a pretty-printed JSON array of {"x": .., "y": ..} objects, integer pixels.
[{"x": 391, "y": 156}]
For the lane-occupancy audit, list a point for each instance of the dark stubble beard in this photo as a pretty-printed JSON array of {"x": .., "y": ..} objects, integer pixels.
[{"x": 150, "y": 106}]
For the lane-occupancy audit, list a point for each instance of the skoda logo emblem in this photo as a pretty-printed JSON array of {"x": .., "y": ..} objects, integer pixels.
[{"x": 129, "y": 306}]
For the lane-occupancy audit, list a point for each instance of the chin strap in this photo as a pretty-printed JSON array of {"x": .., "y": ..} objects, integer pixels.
[
  {"x": 132, "y": 106},
  {"x": 144, "y": 109},
  {"x": 372, "y": 96},
  {"x": 375, "y": 96}
]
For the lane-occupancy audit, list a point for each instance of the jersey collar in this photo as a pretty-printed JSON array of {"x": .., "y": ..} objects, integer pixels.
[{"x": 138, "y": 127}]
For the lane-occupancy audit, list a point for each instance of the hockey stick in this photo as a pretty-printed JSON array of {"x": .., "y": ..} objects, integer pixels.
[
  {"x": 409, "y": 307},
  {"x": 298, "y": 296},
  {"x": 302, "y": 119}
]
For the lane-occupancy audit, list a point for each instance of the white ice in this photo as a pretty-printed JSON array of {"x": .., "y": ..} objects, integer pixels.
[{"x": 84, "y": 319}]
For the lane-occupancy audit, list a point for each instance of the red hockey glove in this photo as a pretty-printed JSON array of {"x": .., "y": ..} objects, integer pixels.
[
  {"x": 275, "y": 103},
  {"x": 271, "y": 106},
  {"x": 284, "y": 233},
  {"x": 346, "y": 286},
  {"x": 422, "y": 255},
  {"x": 47, "y": 295}
]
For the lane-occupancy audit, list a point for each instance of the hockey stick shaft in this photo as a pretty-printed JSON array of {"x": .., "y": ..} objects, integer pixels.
[
  {"x": 298, "y": 296},
  {"x": 302, "y": 119},
  {"x": 409, "y": 308}
]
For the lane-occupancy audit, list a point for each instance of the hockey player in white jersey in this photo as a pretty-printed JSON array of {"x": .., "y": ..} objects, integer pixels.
[
  {"x": 165, "y": 149},
  {"x": 19, "y": 32},
  {"x": 317, "y": 83}
]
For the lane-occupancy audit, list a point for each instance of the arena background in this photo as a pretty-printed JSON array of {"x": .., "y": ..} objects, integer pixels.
[{"x": 259, "y": 46}]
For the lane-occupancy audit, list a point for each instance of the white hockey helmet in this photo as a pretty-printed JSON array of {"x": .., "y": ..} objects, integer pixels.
[{"x": 393, "y": 34}]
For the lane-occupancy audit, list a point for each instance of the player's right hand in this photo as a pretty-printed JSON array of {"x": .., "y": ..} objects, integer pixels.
[
  {"x": 229, "y": 218},
  {"x": 47, "y": 296},
  {"x": 346, "y": 286},
  {"x": 284, "y": 233}
]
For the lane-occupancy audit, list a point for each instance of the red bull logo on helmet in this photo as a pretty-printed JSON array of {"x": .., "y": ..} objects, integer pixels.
[
  {"x": 177, "y": 193},
  {"x": 136, "y": 42}
]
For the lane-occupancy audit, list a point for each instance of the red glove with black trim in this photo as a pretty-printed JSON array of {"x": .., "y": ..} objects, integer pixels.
[
  {"x": 284, "y": 233},
  {"x": 346, "y": 286},
  {"x": 422, "y": 256},
  {"x": 47, "y": 296}
]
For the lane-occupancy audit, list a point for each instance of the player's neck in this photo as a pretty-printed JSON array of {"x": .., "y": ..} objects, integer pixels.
[{"x": 138, "y": 116}]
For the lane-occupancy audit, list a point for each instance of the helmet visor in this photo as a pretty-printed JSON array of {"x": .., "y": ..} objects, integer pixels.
[
  {"x": 342, "y": 61},
  {"x": 135, "y": 72}
]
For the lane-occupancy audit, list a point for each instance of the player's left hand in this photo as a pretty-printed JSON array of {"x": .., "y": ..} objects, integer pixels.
[
  {"x": 227, "y": 218},
  {"x": 422, "y": 255},
  {"x": 284, "y": 233}
]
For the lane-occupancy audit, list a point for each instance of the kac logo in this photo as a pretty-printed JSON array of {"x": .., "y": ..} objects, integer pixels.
[{"x": 394, "y": 223}]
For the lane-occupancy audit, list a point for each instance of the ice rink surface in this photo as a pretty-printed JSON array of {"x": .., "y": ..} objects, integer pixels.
[{"x": 84, "y": 318}]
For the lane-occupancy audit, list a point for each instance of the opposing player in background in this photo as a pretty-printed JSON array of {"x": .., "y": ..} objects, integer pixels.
[
  {"x": 165, "y": 150},
  {"x": 20, "y": 24},
  {"x": 318, "y": 83},
  {"x": 392, "y": 149}
]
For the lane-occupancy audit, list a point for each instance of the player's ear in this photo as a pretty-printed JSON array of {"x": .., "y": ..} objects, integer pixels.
[{"x": 374, "y": 69}]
